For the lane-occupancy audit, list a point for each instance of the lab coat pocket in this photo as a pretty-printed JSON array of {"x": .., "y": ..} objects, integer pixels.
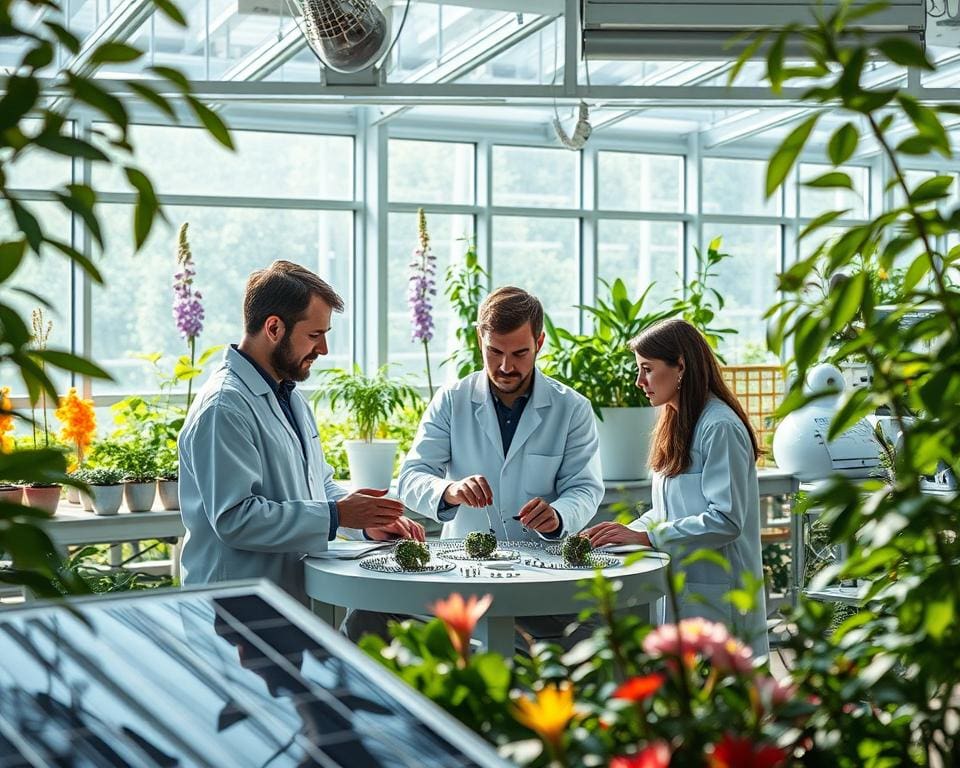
[
  {"x": 707, "y": 600},
  {"x": 540, "y": 474}
]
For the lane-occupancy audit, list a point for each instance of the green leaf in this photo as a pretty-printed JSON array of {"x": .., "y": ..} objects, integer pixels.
[
  {"x": 707, "y": 556},
  {"x": 70, "y": 147},
  {"x": 843, "y": 143},
  {"x": 114, "y": 53},
  {"x": 821, "y": 221},
  {"x": 148, "y": 94},
  {"x": 927, "y": 123},
  {"x": 173, "y": 76},
  {"x": 915, "y": 145},
  {"x": 77, "y": 257},
  {"x": 82, "y": 200},
  {"x": 832, "y": 179},
  {"x": 786, "y": 155},
  {"x": 746, "y": 55},
  {"x": 11, "y": 254},
  {"x": 854, "y": 408},
  {"x": 936, "y": 188},
  {"x": 208, "y": 353},
  {"x": 846, "y": 304},
  {"x": 775, "y": 62},
  {"x": 918, "y": 268},
  {"x": 95, "y": 96},
  {"x": 147, "y": 206},
  {"x": 39, "y": 56},
  {"x": 70, "y": 362},
  {"x": 66, "y": 38},
  {"x": 27, "y": 223},
  {"x": 939, "y": 616},
  {"x": 21, "y": 94},
  {"x": 171, "y": 11},
  {"x": 212, "y": 122},
  {"x": 904, "y": 52}
]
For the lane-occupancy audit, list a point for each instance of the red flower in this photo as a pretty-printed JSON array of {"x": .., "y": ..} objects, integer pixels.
[
  {"x": 655, "y": 755},
  {"x": 640, "y": 687},
  {"x": 734, "y": 752}
]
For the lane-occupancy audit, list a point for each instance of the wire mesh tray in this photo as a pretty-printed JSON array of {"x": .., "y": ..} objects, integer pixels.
[
  {"x": 386, "y": 564},
  {"x": 594, "y": 560},
  {"x": 497, "y": 556}
]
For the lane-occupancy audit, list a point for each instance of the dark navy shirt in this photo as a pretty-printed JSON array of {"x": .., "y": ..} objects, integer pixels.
[
  {"x": 508, "y": 417},
  {"x": 283, "y": 390}
]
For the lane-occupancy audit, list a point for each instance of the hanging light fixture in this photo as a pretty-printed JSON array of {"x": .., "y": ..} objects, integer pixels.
[{"x": 346, "y": 35}]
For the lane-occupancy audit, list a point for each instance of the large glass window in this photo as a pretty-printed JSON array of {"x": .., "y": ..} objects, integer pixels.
[
  {"x": 133, "y": 313},
  {"x": 634, "y": 182},
  {"x": 431, "y": 172},
  {"x": 39, "y": 169},
  {"x": 733, "y": 187},
  {"x": 188, "y": 161},
  {"x": 536, "y": 177},
  {"x": 815, "y": 200},
  {"x": 447, "y": 241},
  {"x": 540, "y": 255},
  {"x": 643, "y": 254},
  {"x": 747, "y": 282}
]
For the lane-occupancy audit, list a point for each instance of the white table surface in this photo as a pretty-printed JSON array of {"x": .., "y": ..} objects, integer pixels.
[
  {"x": 533, "y": 592},
  {"x": 772, "y": 482}
]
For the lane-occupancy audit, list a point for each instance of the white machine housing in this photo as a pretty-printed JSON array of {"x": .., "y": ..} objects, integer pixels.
[{"x": 800, "y": 443}]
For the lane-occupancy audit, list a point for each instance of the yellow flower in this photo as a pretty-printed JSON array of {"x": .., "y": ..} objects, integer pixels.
[
  {"x": 6, "y": 420},
  {"x": 549, "y": 714},
  {"x": 882, "y": 274}
]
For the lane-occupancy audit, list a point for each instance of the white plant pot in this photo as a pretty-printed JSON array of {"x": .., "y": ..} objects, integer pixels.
[
  {"x": 73, "y": 494},
  {"x": 169, "y": 491},
  {"x": 625, "y": 442},
  {"x": 139, "y": 496},
  {"x": 104, "y": 499},
  {"x": 371, "y": 464},
  {"x": 87, "y": 501}
]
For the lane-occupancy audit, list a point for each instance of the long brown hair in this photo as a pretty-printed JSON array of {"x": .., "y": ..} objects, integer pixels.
[{"x": 669, "y": 341}]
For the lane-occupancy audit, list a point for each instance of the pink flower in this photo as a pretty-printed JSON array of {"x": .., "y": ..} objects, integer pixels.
[
  {"x": 691, "y": 635},
  {"x": 735, "y": 752},
  {"x": 460, "y": 618},
  {"x": 655, "y": 755},
  {"x": 774, "y": 693},
  {"x": 640, "y": 687},
  {"x": 730, "y": 656}
]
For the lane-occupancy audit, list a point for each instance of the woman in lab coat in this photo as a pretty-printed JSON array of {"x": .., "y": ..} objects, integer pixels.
[{"x": 705, "y": 495}]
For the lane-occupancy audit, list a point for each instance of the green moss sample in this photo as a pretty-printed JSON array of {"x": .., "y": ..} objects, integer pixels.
[
  {"x": 411, "y": 555},
  {"x": 479, "y": 544},
  {"x": 575, "y": 550}
]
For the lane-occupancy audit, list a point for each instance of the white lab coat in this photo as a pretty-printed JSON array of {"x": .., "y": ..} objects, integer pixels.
[
  {"x": 714, "y": 504},
  {"x": 553, "y": 455},
  {"x": 251, "y": 502}
]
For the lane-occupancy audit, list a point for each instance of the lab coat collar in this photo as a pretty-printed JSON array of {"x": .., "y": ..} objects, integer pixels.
[
  {"x": 249, "y": 375},
  {"x": 487, "y": 417}
]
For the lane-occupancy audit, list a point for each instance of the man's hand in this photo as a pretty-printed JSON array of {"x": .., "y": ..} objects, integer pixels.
[
  {"x": 474, "y": 491},
  {"x": 401, "y": 528},
  {"x": 614, "y": 533},
  {"x": 368, "y": 508},
  {"x": 539, "y": 516}
]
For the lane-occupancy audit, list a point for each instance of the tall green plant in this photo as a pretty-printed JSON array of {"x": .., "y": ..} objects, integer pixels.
[
  {"x": 887, "y": 678},
  {"x": 33, "y": 124},
  {"x": 697, "y": 304},
  {"x": 465, "y": 285},
  {"x": 371, "y": 400},
  {"x": 600, "y": 365}
]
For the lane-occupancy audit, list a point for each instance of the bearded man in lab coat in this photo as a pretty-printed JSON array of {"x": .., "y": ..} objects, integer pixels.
[
  {"x": 255, "y": 491},
  {"x": 506, "y": 449}
]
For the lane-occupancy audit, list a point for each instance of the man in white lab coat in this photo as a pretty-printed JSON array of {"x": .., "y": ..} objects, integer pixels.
[
  {"x": 506, "y": 449},
  {"x": 255, "y": 491}
]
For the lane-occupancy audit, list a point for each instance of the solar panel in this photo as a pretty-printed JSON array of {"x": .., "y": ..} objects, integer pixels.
[{"x": 221, "y": 676}]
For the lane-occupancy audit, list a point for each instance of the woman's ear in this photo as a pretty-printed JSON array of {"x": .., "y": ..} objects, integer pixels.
[{"x": 680, "y": 365}]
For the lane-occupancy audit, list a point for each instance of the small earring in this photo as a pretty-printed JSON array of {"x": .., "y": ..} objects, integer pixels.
[{"x": 679, "y": 379}]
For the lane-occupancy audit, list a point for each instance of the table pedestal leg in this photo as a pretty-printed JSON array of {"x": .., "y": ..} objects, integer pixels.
[
  {"x": 496, "y": 633},
  {"x": 325, "y": 611}
]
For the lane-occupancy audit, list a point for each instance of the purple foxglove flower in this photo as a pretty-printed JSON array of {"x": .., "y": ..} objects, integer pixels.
[
  {"x": 422, "y": 285},
  {"x": 187, "y": 309}
]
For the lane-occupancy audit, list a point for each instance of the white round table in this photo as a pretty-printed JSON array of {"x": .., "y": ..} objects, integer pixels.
[{"x": 533, "y": 591}]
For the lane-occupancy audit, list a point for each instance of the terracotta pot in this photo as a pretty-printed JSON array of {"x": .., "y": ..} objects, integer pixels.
[
  {"x": 11, "y": 494},
  {"x": 45, "y": 497}
]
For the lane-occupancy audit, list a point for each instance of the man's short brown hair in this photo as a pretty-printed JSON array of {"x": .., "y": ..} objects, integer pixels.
[
  {"x": 284, "y": 289},
  {"x": 509, "y": 308}
]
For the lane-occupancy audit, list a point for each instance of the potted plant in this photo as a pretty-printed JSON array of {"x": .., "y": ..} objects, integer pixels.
[
  {"x": 601, "y": 367},
  {"x": 372, "y": 401},
  {"x": 168, "y": 486},
  {"x": 105, "y": 489},
  {"x": 10, "y": 493},
  {"x": 137, "y": 462}
]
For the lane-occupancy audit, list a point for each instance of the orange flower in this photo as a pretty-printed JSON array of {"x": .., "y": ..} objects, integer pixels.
[
  {"x": 640, "y": 687},
  {"x": 79, "y": 421},
  {"x": 460, "y": 618},
  {"x": 549, "y": 714},
  {"x": 6, "y": 420},
  {"x": 656, "y": 755}
]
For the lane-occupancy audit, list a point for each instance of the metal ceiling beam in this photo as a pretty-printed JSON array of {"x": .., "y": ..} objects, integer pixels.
[
  {"x": 751, "y": 123},
  {"x": 267, "y": 58},
  {"x": 485, "y": 46},
  {"x": 119, "y": 25}
]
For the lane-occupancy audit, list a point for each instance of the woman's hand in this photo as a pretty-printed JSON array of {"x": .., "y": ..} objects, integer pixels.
[{"x": 614, "y": 533}]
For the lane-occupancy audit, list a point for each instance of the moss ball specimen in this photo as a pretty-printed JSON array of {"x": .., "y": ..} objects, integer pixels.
[
  {"x": 411, "y": 555},
  {"x": 575, "y": 550},
  {"x": 479, "y": 544}
]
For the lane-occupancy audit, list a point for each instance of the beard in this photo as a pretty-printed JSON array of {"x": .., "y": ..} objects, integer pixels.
[
  {"x": 508, "y": 384},
  {"x": 286, "y": 363}
]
